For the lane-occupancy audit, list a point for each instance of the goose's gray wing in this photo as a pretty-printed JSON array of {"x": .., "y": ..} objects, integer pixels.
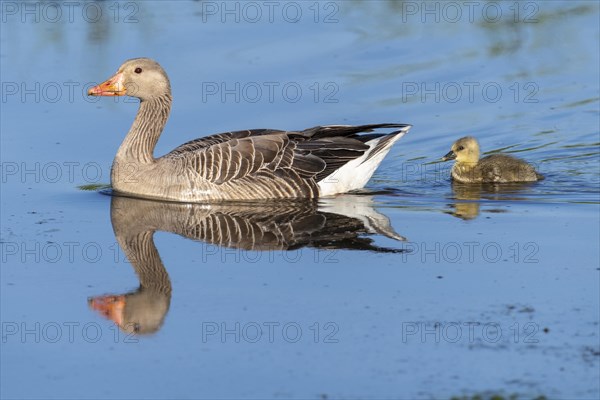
[
  {"x": 312, "y": 154},
  {"x": 499, "y": 168},
  {"x": 240, "y": 157},
  {"x": 274, "y": 225},
  {"x": 491, "y": 173},
  {"x": 207, "y": 141}
]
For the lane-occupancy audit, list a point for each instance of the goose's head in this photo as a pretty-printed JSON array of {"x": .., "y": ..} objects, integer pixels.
[
  {"x": 464, "y": 150},
  {"x": 140, "y": 312},
  {"x": 139, "y": 77}
]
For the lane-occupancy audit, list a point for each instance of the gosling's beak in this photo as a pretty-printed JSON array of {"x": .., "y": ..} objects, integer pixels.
[
  {"x": 110, "y": 307},
  {"x": 449, "y": 156},
  {"x": 112, "y": 87}
]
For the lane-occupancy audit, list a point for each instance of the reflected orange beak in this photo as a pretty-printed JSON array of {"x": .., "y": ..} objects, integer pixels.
[
  {"x": 112, "y": 87},
  {"x": 109, "y": 306}
]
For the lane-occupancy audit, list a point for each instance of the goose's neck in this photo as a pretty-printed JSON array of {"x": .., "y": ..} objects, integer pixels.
[
  {"x": 139, "y": 144},
  {"x": 464, "y": 170},
  {"x": 146, "y": 262},
  {"x": 465, "y": 166}
]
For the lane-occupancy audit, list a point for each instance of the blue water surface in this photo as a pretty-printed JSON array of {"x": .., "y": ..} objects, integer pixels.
[{"x": 493, "y": 290}]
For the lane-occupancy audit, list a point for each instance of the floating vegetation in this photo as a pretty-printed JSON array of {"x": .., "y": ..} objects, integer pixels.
[{"x": 94, "y": 187}]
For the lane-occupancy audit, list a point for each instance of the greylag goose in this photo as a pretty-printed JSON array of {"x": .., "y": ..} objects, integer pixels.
[
  {"x": 241, "y": 165},
  {"x": 342, "y": 222},
  {"x": 496, "y": 168}
]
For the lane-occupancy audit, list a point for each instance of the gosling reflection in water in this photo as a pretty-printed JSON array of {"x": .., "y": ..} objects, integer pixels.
[
  {"x": 344, "y": 222},
  {"x": 468, "y": 197}
]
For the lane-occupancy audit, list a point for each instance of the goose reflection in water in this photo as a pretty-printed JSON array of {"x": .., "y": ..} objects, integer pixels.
[
  {"x": 468, "y": 198},
  {"x": 344, "y": 222}
]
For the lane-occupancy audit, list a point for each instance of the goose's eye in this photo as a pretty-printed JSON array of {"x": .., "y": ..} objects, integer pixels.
[
  {"x": 460, "y": 148},
  {"x": 138, "y": 70}
]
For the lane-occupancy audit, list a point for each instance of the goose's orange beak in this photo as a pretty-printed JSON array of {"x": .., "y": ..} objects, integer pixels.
[
  {"x": 112, "y": 87},
  {"x": 110, "y": 307}
]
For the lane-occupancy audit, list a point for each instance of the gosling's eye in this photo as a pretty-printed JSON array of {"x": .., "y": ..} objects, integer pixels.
[
  {"x": 138, "y": 70},
  {"x": 460, "y": 148}
]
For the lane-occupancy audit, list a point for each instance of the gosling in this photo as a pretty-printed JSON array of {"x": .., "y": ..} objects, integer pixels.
[{"x": 496, "y": 168}]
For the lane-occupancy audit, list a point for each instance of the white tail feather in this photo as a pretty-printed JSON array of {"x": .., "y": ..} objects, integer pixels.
[
  {"x": 362, "y": 208},
  {"x": 356, "y": 173}
]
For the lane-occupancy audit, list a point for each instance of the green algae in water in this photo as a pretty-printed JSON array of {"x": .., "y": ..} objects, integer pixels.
[{"x": 94, "y": 187}]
